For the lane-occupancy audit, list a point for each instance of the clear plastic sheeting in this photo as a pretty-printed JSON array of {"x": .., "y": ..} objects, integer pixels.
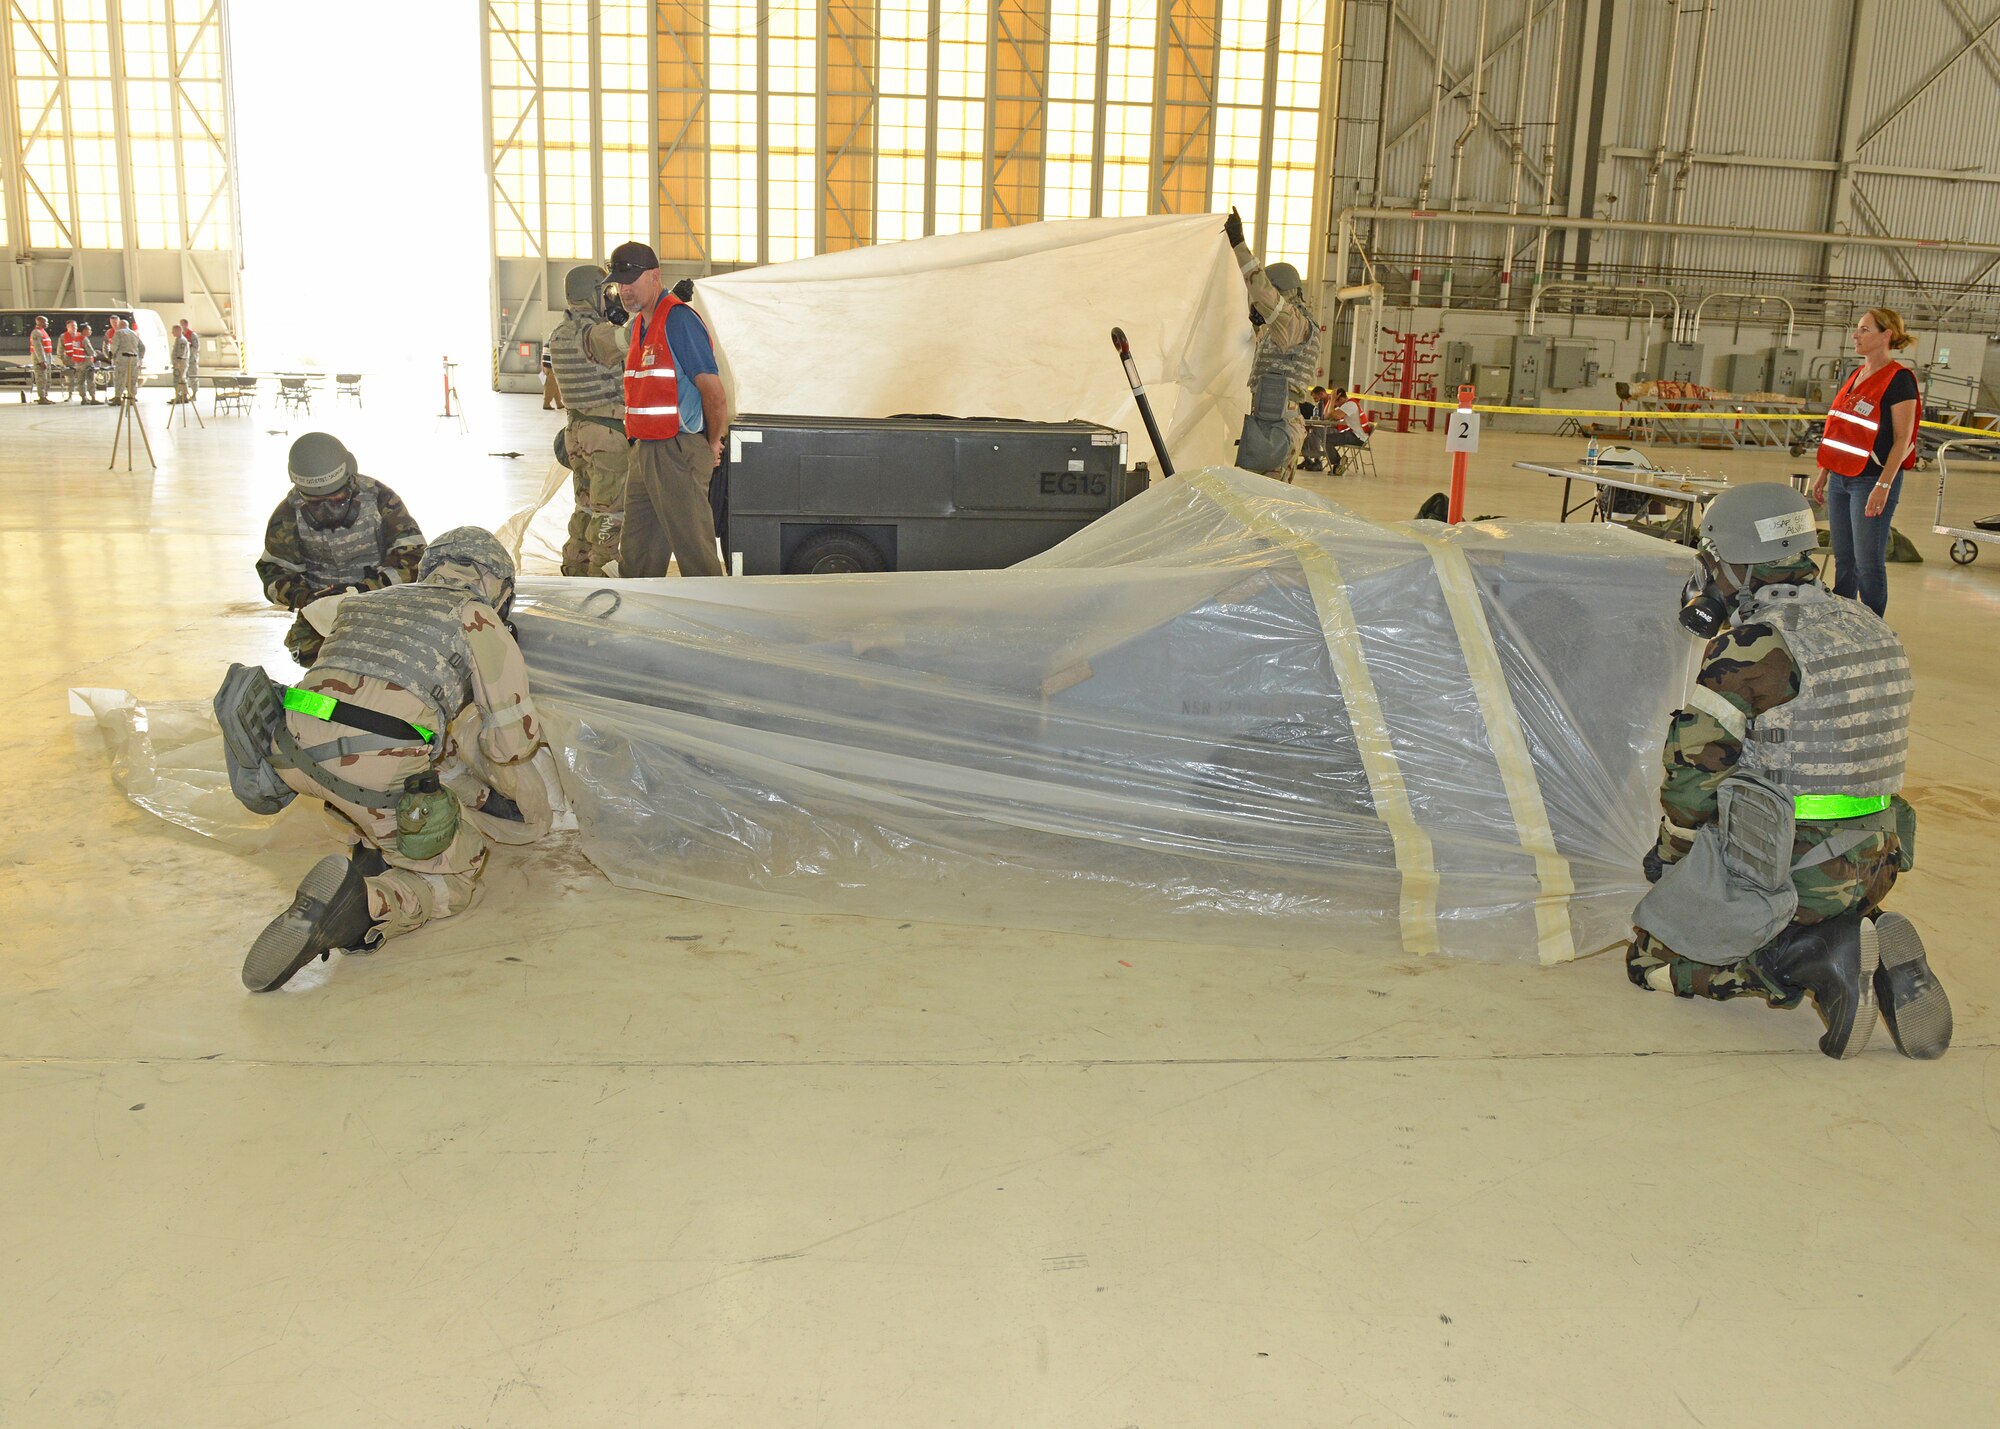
[
  {"x": 166, "y": 756},
  {"x": 1227, "y": 712},
  {"x": 1006, "y": 322}
]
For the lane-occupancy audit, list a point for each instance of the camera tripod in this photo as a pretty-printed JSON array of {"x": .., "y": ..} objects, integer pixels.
[
  {"x": 451, "y": 398},
  {"x": 129, "y": 418}
]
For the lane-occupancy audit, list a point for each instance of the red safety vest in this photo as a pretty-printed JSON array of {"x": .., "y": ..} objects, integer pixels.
[
  {"x": 73, "y": 349},
  {"x": 39, "y": 345},
  {"x": 1853, "y": 419},
  {"x": 652, "y": 387}
]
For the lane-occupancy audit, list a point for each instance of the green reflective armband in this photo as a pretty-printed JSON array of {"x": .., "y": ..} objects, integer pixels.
[
  {"x": 326, "y": 707},
  {"x": 1821, "y": 808}
]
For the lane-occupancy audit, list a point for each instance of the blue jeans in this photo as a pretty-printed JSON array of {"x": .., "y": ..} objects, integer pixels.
[{"x": 1860, "y": 541}]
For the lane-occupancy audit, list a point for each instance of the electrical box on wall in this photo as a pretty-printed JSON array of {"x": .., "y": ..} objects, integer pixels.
[
  {"x": 1746, "y": 372},
  {"x": 1491, "y": 381},
  {"x": 1679, "y": 362},
  {"x": 1531, "y": 369},
  {"x": 1457, "y": 365},
  {"x": 1570, "y": 366},
  {"x": 1786, "y": 372}
]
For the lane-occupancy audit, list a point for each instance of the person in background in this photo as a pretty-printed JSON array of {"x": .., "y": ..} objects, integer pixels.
[
  {"x": 83, "y": 372},
  {"x": 127, "y": 352},
  {"x": 1353, "y": 429},
  {"x": 551, "y": 393},
  {"x": 677, "y": 415},
  {"x": 41, "y": 359},
  {"x": 191, "y": 372},
  {"x": 179, "y": 357},
  {"x": 1783, "y": 825},
  {"x": 1869, "y": 442},
  {"x": 1283, "y": 364},
  {"x": 588, "y": 352},
  {"x": 1314, "y": 410},
  {"x": 336, "y": 530}
]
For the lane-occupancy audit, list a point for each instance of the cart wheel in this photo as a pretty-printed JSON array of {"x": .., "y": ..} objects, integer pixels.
[{"x": 1964, "y": 552}]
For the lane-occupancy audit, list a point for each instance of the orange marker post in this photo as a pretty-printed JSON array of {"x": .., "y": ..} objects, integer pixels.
[{"x": 1461, "y": 438}]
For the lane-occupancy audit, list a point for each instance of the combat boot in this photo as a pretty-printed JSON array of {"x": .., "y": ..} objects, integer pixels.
[
  {"x": 1835, "y": 962},
  {"x": 329, "y": 913},
  {"x": 1913, "y": 1001}
]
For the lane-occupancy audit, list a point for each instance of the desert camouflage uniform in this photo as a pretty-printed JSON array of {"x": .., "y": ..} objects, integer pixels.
[
  {"x": 1749, "y": 666},
  {"x": 600, "y": 458},
  {"x": 286, "y": 567},
  {"x": 488, "y": 746},
  {"x": 1287, "y": 339}
]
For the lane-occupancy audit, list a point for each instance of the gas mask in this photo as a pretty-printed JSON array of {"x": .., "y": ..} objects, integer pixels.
[
  {"x": 327, "y": 515},
  {"x": 614, "y": 306},
  {"x": 1705, "y": 606}
]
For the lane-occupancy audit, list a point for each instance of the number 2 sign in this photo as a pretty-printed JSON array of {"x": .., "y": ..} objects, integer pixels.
[{"x": 1461, "y": 432}]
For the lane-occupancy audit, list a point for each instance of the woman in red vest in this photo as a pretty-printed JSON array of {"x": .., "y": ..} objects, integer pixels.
[{"x": 1870, "y": 441}]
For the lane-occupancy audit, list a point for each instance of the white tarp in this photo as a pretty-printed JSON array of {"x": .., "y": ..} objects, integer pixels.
[
  {"x": 1228, "y": 711},
  {"x": 1007, "y": 322}
]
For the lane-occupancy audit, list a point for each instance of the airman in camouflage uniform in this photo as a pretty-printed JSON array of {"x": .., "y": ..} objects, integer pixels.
[
  {"x": 587, "y": 355},
  {"x": 336, "y": 530},
  {"x": 1799, "y": 723},
  {"x": 438, "y": 658},
  {"x": 1286, "y": 359},
  {"x": 1749, "y": 666}
]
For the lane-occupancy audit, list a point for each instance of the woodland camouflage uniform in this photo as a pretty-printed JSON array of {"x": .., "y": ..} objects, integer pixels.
[{"x": 1749, "y": 666}]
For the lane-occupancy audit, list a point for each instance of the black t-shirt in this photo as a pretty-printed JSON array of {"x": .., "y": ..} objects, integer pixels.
[{"x": 1902, "y": 388}]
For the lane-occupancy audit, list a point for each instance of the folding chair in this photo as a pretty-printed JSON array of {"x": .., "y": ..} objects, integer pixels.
[
  {"x": 293, "y": 392},
  {"x": 347, "y": 384}
]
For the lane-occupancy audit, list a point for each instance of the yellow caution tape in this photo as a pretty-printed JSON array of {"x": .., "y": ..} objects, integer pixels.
[
  {"x": 1416, "y": 860},
  {"x": 1638, "y": 416}
]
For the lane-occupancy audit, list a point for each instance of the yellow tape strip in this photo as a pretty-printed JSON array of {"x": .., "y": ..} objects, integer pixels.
[
  {"x": 1554, "y": 941},
  {"x": 1639, "y": 416},
  {"x": 1415, "y": 862}
]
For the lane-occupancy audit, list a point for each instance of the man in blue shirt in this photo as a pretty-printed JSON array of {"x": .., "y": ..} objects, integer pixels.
[{"x": 677, "y": 415}]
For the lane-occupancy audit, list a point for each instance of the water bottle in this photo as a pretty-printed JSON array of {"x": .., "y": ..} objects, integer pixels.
[{"x": 1590, "y": 454}]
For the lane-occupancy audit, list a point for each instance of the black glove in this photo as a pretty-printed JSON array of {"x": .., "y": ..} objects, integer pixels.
[
  {"x": 684, "y": 290},
  {"x": 1233, "y": 226},
  {"x": 1652, "y": 865}
]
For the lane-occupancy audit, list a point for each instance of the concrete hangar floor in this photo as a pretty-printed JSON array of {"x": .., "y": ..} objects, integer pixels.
[{"x": 592, "y": 1157}]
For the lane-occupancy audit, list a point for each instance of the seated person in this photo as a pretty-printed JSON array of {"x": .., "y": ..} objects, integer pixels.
[
  {"x": 1783, "y": 829},
  {"x": 336, "y": 530},
  {"x": 1314, "y": 410},
  {"x": 1353, "y": 429},
  {"x": 417, "y": 730}
]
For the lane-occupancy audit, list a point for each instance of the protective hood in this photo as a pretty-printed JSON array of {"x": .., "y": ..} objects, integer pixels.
[{"x": 470, "y": 559}]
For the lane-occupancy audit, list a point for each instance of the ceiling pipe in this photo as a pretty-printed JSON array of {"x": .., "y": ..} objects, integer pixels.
[
  {"x": 1691, "y": 230},
  {"x": 1516, "y": 137},
  {"x": 1604, "y": 291},
  {"x": 1685, "y": 165},
  {"x": 1791, "y": 313},
  {"x": 1430, "y": 160},
  {"x": 1549, "y": 142},
  {"x": 1458, "y": 148}
]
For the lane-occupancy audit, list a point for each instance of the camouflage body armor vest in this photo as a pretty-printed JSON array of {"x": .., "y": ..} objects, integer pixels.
[
  {"x": 410, "y": 635},
  {"x": 1848, "y": 729},
  {"x": 343, "y": 553},
  {"x": 585, "y": 385},
  {"x": 1299, "y": 363}
]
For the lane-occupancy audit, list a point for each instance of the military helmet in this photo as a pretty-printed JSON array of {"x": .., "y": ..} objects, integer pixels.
[
  {"x": 471, "y": 558},
  {"x": 1760, "y": 522},
  {"x": 319, "y": 465},
  {"x": 585, "y": 284},
  {"x": 1284, "y": 277}
]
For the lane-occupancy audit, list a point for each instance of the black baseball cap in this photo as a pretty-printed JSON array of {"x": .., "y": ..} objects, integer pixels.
[{"x": 629, "y": 260}]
